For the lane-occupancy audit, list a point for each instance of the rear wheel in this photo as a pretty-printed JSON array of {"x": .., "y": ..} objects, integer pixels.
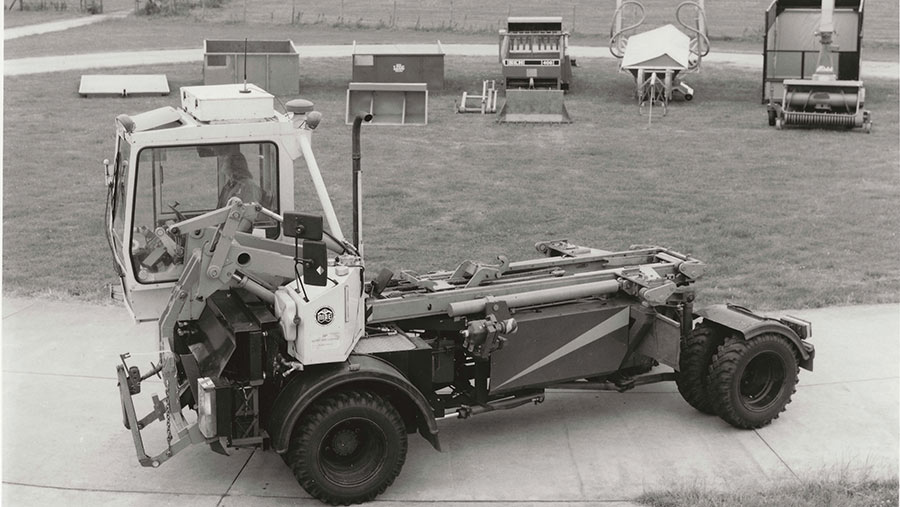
[
  {"x": 693, "y": 367},
  {"x": 771, "y": 113},
  {"x": 348, "y": 448},
  {"x": 751, "y": 381}
]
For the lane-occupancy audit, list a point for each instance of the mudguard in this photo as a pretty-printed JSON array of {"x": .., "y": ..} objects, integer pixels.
[
  {"x": 750, "y": 325},
  {"x": 366, "y": 371}
]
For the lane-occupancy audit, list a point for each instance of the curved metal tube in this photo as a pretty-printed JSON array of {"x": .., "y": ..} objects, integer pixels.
[
  {"x": 357, "y": 191},
  {"x": 700, "y": 41},
  {"x": 617, "y": 38}
]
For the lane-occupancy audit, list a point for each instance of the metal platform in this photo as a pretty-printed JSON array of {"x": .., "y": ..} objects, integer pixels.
[{"x": 111, "y": 85}]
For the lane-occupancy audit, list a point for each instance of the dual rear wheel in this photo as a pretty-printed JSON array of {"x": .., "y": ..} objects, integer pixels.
[{"x": 748, "y": 383}]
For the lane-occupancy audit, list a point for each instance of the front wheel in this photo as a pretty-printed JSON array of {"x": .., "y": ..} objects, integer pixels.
[
  {"x": 751, "y": 381},
  {"x": 348, "y": 448}
]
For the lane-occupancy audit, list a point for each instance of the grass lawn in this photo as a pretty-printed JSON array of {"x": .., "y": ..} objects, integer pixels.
[
  {"x": 798, "y": 218},
  {"x": 54, "y": 10},
  {"x": 734, "y": 25},
  {"x": 817, "y": 492}
]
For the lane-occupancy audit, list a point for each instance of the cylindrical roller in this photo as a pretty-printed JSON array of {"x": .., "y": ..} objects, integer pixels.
[
  {"x": 808, "y": 99},
  {"x": 822, "y": 119},
  {"x": 536, "y": 297}
]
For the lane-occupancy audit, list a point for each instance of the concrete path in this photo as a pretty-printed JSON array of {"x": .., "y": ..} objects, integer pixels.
[
  {"x": 64, "y": 444},
  {"x": 37, "y": 65},
  {"x": 58, "y": 26}
]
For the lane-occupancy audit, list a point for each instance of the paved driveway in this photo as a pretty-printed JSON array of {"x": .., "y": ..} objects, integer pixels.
[{"x": 63, "y": 441}]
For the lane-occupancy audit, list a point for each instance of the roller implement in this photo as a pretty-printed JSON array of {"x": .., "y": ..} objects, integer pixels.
[
  {"x": 823, "y": 100},
  {"x": 272, "y": 336}
]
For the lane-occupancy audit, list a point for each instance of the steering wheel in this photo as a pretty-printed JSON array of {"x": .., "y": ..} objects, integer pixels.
[{"x": 174, "y": 207}]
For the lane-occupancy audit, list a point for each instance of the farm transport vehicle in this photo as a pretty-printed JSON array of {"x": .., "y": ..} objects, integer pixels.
[{"x": 271, "y": 335}]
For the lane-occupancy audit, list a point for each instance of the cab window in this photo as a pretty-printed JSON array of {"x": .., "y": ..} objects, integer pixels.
[{"x": 180, "y": 182}]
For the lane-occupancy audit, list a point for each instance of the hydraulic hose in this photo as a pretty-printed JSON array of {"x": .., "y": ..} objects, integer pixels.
[{"x": 617, "y": 39}]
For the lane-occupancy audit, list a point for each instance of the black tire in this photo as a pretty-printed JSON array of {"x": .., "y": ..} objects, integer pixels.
[
  {"x": 771, "y": 114},
  {"x": 752, "y": 381},
  {"x": 697, "y": 352},
  {"x": 348, "y": 447}
]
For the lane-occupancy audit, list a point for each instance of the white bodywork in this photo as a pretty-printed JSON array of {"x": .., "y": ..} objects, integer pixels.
[
  {"x": 662, "y": 48},
  {"x": 208, "y": 115},
  {"x": 327, "y": 327}
]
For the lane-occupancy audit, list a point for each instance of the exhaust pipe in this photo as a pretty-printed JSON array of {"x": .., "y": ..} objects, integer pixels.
[{"x": 357, "y": 181}]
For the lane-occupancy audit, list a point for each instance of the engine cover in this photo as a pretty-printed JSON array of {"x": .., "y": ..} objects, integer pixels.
[{"x": 326, "y": 327}]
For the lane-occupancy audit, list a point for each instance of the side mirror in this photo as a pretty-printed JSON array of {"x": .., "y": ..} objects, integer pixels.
[
  {"x": 299, "y": 225},
  {"x": 107, "y": 173},
  {"x": 315, "y": 263}
]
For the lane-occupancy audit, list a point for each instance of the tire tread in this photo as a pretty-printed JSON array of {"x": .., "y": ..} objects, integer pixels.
[
  {"x": 303, "y": 438},
  {"x": 723, "y": 369}
]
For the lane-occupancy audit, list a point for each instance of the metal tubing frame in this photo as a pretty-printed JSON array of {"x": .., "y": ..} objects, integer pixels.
[{"x": 414, "y": 305}]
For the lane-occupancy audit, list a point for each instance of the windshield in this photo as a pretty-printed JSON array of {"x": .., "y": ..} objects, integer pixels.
[{"x": 179, "y": 182}]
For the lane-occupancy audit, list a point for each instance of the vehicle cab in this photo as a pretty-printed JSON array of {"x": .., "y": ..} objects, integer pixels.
[{"x": 172, "y": 164}]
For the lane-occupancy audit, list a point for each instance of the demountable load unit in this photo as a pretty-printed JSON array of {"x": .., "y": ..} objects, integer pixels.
[
  {"x": 657, "y": 57},
  {"x": 811, "y": 64}
]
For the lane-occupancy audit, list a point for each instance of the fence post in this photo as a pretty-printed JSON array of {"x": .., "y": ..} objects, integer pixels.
[{"x": 573, "y": 19}]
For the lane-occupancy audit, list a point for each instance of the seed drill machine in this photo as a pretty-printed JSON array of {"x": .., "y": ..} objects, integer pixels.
[
  {"x": 822, "y": 99},
  {"x": 537, "y": 70},
  {"x": 657, "y": 58},
  {"x": 271, "y": 335}
]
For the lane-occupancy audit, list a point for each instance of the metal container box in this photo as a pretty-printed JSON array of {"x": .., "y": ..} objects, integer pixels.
[
  {"x": 399, "y": 63},
  {"x": 272, "y": 64},
  {"x": 389, "y": 103},
  {"x": 227, "y": 102}
]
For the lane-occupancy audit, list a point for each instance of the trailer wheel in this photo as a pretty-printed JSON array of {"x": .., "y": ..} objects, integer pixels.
[
  {"x": 348, "y": 448},
  {"x": 752, "y": 381},
  {"x": 697, "y": 351},
  {"x": 771, "y": 113}
]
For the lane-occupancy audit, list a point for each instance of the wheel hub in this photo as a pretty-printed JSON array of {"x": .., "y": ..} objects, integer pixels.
[
  {"x": 761, "y": 381},
  {"x": 345, "y": 442}
]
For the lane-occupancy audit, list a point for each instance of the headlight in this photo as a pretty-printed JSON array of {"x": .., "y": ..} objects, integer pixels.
[{"x": 206, "y": 407}]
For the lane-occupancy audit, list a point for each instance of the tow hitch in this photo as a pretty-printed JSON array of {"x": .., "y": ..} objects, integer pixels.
[{"x": 179, "y": 434}]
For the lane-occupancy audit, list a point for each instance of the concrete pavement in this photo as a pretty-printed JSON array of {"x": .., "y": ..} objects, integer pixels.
[
  {"x": 58, "y": 26},
  {"x": 42, "y": 64},
  {"x": 63, "y": 440}
]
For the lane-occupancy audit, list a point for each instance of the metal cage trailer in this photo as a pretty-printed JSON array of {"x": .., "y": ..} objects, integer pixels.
[{"x": 270, "y": 336}]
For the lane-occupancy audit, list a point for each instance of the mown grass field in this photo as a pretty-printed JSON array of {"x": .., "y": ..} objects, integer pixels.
[
  {"x": 733, "y": 24},
  {"x": 798, "y": 218}
]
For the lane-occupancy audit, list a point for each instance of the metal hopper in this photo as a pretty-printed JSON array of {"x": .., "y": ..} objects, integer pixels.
[{"x": 534, "y": 106}]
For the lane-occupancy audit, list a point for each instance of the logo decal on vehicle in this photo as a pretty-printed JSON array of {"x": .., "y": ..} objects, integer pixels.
[
  {"x": 324, "y": 316},
  {"x": 399, "y": 67}
]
